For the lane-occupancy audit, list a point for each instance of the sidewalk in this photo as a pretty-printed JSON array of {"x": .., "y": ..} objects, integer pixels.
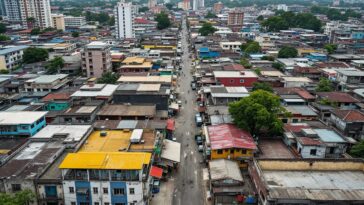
[{"x": 165, "y": 195}]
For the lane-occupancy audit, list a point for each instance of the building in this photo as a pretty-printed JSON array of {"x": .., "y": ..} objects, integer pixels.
[
  {"x": 339, "y": 99},
  {"x": 124, "y": 19},
  {"x": 57, "y": 101},
  {"x": 96, "y": 59},
  {"x": 58, "y": 21},
  {"x": 74, "y": 21},
  {"x": 105, "y": 177},
  {"x": 218, "y": 7},
  {"x": 143, "y": 94},
  {"x": 165, "y": 80},
  {"x": 220, "y": 95},
  {"x": 21, "y": 123},
  {"x": 308, "y": 182},
  {"x": 236, "y": 78},
  {"x": 348, "y": 122},
  {"x": 91, "y": 92},
  {"x": 135, "y": 64},
  {"x": 235, "y": 19},
  {"x": 127, "y": 112},
  {"x": 18, "y": 12},
  {"x": 226, "y": 141},
  {"x": 11, "y": 57},
  {"x": 152, "y": 4},
  {"x": 46, "y": 83},
  {"x": 197, "y": 4}
]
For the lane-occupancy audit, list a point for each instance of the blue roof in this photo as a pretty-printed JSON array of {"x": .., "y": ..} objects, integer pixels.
[
  {"x": 328, "y": 135},
  {"x": 12, "y": 49},
  {"x": 204, "y": 49},
  {"x": 318, "y": 54}
]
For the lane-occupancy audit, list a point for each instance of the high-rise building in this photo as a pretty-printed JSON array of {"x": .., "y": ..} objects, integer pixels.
[
  {"x": 235, "y": 18},
  {"x": 96, "y": 59},
  {"x": 124, "y": 19},
  {"x": 218, "y": 7},
  {"x": 152, "y": 3},
  {"x": 197, "y": 4},
  {"x": 74, "y": 21},
  {"x": 21, "y": 11},
  {"x": 186, "y": 5},
  {"x": 58, "y": 21}
]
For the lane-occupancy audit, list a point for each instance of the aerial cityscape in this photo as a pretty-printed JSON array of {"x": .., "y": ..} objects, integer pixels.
[{"x": 181, "y": 102}]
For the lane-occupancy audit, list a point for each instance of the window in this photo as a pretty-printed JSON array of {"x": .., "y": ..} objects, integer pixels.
[
  {"x": 244, "y": 151},
  {"x": 232, "y": 81},
  {"x": 131, "y": 191},
  {"x": 96, "y": 203},
  {"x": 73, "y": 203},
  {"x": 16, "y": 187},
  {"x": 241, "y": 80},
  {"x": 119, "y": 203},
  {"x": 105, "y": 190},
  {"x": 332, "y": 149},
  {"x": 294, "y": 120},
  {"x": 96, "y": 190},
  {"x": 219, "y": 151},
  {"x": 106, "y": 203},
  {"x": 71, "y": 190},
  {"x": 313, "y": 152},
  {"x": 231, "y": 151},
  {"x": 119, "y": 191}
]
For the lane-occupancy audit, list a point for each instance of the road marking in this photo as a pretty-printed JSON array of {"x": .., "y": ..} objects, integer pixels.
[
  {"x": 195, "y": 160},
  {"x": 185, "y": 155},
  {"x": 188, "y": 133},
  {"x": 191, "y": 152}
]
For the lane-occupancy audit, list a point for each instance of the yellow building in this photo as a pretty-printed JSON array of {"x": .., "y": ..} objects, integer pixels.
[
  {"x": 226, "y": 141},
  {"x": 136, "y": 64},
  {"x": 58, "y": 21}
]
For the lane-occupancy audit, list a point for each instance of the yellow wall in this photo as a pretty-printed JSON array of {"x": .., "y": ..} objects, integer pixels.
[
  {"x": 2, "y": 63},
  {"x": 235, "y": 155},
  {"x": 158, "y": 46},
  {"x": 316, "y": 165}
]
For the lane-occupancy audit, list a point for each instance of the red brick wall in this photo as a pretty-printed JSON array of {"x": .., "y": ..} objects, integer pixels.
[{"x": 248, "y": 82}]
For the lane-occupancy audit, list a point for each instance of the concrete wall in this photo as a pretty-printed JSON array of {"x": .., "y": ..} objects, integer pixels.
[
  {"x": 161, "y": 101},
  {"x": 305, "y": 151}
]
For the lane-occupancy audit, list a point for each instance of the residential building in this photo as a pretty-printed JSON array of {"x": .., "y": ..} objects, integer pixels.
[
  {"x": 20, "y": 11},
  {"x": 143, "y": 94},
  {"x": 124, "y": 19},
  {"x": 221, "y": 95},
  {"x": 290, "y": 82},
  {"x": 46, "y": 83},
  {"x": 135, "y": 64},
  {"x": 236, "y": 78},
  {"x": 231, "y": 45},
  {"x": 349, "y": 122},
  {"x": 74, "y": 21},
  {"x": 11, "y": 57},
  {"x": 218, "y": 7},
  {"x": 79, "y": 114},
  {"x": 96, "y": 59},
  {"x": 235, "y": 18},
  {"x": 90, "y": 92},
  {"x": 198, "y": 4},
  {"x": 226, "y": 141},
  {"x": 58, "y": 21},
  {"x": 339, "y": 99},
  {"x": 165, "y": 80},
  {"x": 279, "y": 181},
  {"x": 127, "y": 112},
  {"x": 349, "y": 79},
  {"x": 21, "y": 123},
  {"x": 57, "y": 101},
  {"x": 117, "y": 178},
  {"x": 152, "y": 3}
]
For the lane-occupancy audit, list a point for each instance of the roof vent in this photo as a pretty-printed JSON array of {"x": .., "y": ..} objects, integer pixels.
[{"x": 103, "y": 134}]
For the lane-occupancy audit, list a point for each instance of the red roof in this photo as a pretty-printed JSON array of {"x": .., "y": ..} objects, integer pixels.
[
  {"x": 340, "y": 97},
  {"x": 309, "y": 141},
  {"x": 56, "y": 96},
  {"x": 349, "y": 115},
  {"x": 156, "y": 172},
  {"x": 141, "y": 21},
  {"x": 295, "y": 127},
  {"x": 236, "y": 67},
  {"x": 224, "y": 136},
  {"x": 170, "y": 124}
]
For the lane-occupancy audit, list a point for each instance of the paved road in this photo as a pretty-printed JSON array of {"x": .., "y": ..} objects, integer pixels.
[{"x": 188, "y": 180}]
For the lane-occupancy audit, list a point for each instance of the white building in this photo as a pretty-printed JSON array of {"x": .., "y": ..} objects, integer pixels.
[
  {"x": 19, "y": 11},
  {"x": 124, "y": 18},
  {"x": 74, "y": 21},
  {"x": 11, "y": 57},
  {"x": 197, "y": 4}
]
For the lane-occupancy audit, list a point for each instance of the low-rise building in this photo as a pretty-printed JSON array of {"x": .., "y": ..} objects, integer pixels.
[
  {"x": 11, "y": 57},
  {"x": 21, "y": 123},
  {"x": 127, "y": 112},
  {"x": 74, "y": 21},
  {"x": 349, "y": 122},
  {"x": 46, "y": 83},
  {"x": 135, "y": 64},
  {"x": 163, "y": 80},
  {"x": 338, "y": 99},
  {"x": 236, "y": 78},
  {"x": 94, "y": 92},
  {"x": 221, "y": 95}
]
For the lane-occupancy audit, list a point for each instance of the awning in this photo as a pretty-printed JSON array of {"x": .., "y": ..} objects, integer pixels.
[
  {"x": 171, "y": 150},
  {"x": 170, "y": 124},
  {"x": 82, "y": 190},
  {"x": 156, "y": 172},
  {"x": 174, "y": 106}
]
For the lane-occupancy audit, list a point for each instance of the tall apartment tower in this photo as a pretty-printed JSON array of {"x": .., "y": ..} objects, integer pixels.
[
  {"x": 235, "y": 18},
  {"x": 19, "y": 11},
  {"x": 124, "y": 20},
  {"x": 96, "y": 59},
  {"x": 58, "y": 21},
  {"x": 152, "y": 4},
  {"x": 197, "y": 4}
]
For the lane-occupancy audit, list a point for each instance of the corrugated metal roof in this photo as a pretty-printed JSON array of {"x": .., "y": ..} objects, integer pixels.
[{"x": 221, "y": 169}]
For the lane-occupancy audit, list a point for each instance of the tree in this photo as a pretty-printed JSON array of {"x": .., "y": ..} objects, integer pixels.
[
  {"x": 2, "y": 28},
  {"x": 4, "y": 37},
  {"x": 262, "y": 86},
  {"x": 358, "y": 150},
  {"x": 75, "y": 34},
  {"x": 111, "y": 21},
  {"x": 258, "y": 113},
  {"x": 4, "y": 71},
  {"x": 330, "y": 48},
  {"x": 207, "y": 29},
  {"x": 324, "y": 85},
  {"x": 163, "y": 21},
  {"x": 277, "y": 66},
  {"x": 275, "y": 23},
  {"x": 287, "y": 52},
  {"x": 35, "y": 31},
  {"x": 143, "y": 9},
  {"x": 253, "y": 47},
  {"x": 269, "y": 58},
  {"x": 210, "y": 15},
  {"x": 108, "y": 78},
  {"x": 260, "y": 18},
  {"x": 169, "y": 6},
  {"x": 19, "y": 198},
  {"x": 54, "y": 65},
  {"x": 245, "y": 62},
  {"x": 33, "y": 55}
]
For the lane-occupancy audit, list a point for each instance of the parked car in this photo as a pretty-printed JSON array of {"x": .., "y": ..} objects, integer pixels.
[
  {"x": 193, "y": 86},
  {"x": 198, "y": 120},
  {"x": 200, "y": 148},
  {"x": 198, "y": 139}
]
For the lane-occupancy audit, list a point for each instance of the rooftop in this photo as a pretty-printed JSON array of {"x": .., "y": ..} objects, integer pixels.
[
  {"x": 12, "y": 49},
  {"x": 20, "y": 117},
  {"x": 349, "y": 115},
  {"x": 44, "y": 79},
  {"x": 166, "y": 79},
  {"x": 97, "y": 90},
  {"x": 106, "y": 160},
  {"x": 274, "y": 148},
  {"x": 127, "y": 110},
  {"x": 56, "y": 96},
  {"x": 235, "y": 74},
  {"x": 70, "y": 133},
  {"x": 340, "y": 97},
  {"x": 221, "y": 169},
  {"x": 114, "y": 141}
]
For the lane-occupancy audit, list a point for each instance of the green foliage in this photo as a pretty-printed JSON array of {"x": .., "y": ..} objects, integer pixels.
[
  {"x": 324, "y": 85},
  {"x": 33, "y": 55},
  {"x": 4, "y": 37},
  {"x": 277, "y": 66},
  {"x": 245, "y": 62},
  {"x": 75, "y": 34},
  {"x": 287, "y": 52},
  {"x": 163, "y": 21},
  {"x": 54, "y": 65},
  {"x": 207, "y": 29},
  {"x": 285, "y": 20},
  {"x": 260, "y": 18},
  {"x": 108, "y": 78},
  {"x": 35, "y": 31},
  {"x": 20, "y": 198},
  {"x": 358, "y": 150},
  {"x": 111, "y": 21},
  {"x": 269, "y": 58},
  {"x": 326, "y": 101},
  {"x": 4, "y": 71},
  {"x": 102, "y": 18},
  {"x": 258, "y": 113},
  {"x": 335, "y": 14},
  {"x": 169, "y": 6},
  {"x": 75, "y": 12},
  {"x": 145, "y": 9},
  {"x": 258, "y": 71},
  {"x": 2, "y": 28},
  {"x": 252, "y": 47},
  {"x": 210, "y": 15},
  {"x": 330, "y": 48},
  {"x": 262, "y": 86}
]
